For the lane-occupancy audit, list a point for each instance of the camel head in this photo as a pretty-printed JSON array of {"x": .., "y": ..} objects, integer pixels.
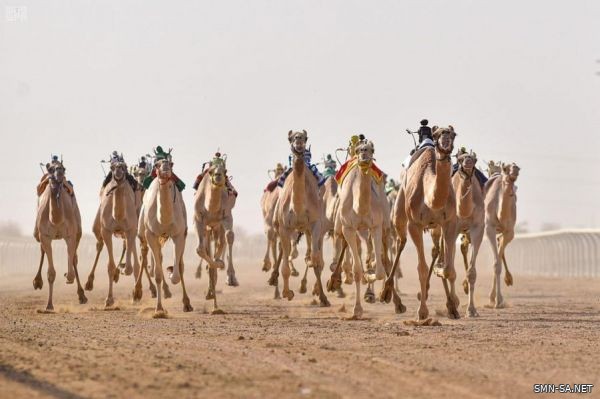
[
  {"x": 510, "y": 172},
  {"x": 298, "y": 141},
  {"x": 139, "y": 173},
  {"x": 364, "y": 152},
  {"x": 467, "y": 161},
  {"x": 119, "y": 171},
  {"x": 57, "y": 176},
  {"x": 444, "y": 139},
  {"x": 164, "y": 170},
  {"x": 494, "y": 168},
  {"x": 218, "y": 174}
]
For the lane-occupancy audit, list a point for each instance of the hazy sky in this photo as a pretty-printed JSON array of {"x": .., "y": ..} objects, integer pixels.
[{"x": 517, "y": 79}]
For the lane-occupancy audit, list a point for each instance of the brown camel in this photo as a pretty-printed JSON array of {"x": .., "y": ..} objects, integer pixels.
[
  {"x": 300, "y": 209},
  {"x": 213, "y": 221},
  {"x": 118, "y": 216},
  {"x": 57, "y": 218},
  {"x": 163, "y": 216},
  {"x": 426, "y": 200},
  {"x": 500, "y": 220}
]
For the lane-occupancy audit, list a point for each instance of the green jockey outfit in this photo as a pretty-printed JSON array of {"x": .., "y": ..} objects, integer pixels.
[
  {"x": 330, "y": 165},
  {"x": 160, "y": 154}
]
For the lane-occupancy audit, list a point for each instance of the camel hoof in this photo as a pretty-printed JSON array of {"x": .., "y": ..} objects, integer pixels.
[
  {"x": 324, "y": 302},
  {"x": 152, "y": 289},
  {"x": 175, "y": 279},
  {"x": 341, "y": 293},
  {"x": 232, "y": 281},
  {"x": 199, "y": 272},
  {"x": 289, "y": 294},
  {"x": 386, "y": 293},
  {"x": 167, "y": 292},
  {"x": 266, "y": 266},
  {"x": 277, "y": 295},
  {"x": 116, "y": 275},
  {"x": 452, "y": 312},
  {"x": 160, "y": 314},
  {"x": 70, "y": 278},
  {"x": 126, "y": 270},
  {"x": 137, "y": 293},
  {"x": 508, "y": 279},
  {"x": 349, "y": 279},
  {"x": 187, "y": 307},
  {"x": 500, "y": 305},
  {"x": 82, "y": 298},
  {"x": 217, "y": 312},
  {"x": 466, "y": 286},
  {"x": 303, "y": 288},
  {"x": 472, "y": 312},
  {"x": 109, "y": 302},
  {"x": 294, "y": 272},
  {"x": 219, "y": 264},
  {"x": 273, "y": 279},
  {"x": 423, "y": 313},
  {"x": 400, "y": 308},
  {"x": 210, "y": 295},
  {"x": 38, "y": 283},
  {"x": 89, "y": 285},
  {"x": 369, "y": 297}
]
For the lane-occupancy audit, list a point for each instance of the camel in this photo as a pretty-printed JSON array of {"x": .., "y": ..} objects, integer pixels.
[
  {"x": 500, "y": 220},
  {"x": 118, "y": 216},
  {"x": 57, "y": 218},
  {"x": 362, "y": 213},
  {"x": 213, "y": 221},
  {"x": 163, "y": 216},
  {"x": 300, "y": 209},
  {"x": 426, "y": 200}
]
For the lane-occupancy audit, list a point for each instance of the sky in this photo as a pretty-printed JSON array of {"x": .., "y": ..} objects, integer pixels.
[{"x": 519, "y": 81}]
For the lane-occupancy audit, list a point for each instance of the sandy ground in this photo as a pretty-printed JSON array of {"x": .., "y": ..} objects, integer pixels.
[{"x": 550, "y": 333}]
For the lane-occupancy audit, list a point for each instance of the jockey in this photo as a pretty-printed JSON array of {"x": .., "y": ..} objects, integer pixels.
[
  {"x": 298, "y": 142},
  {"x": 279, "y": 170},
  {"x": 330, "y": 165},
  {"x": 115, "y": 158},
  {"x": 217, "y": 160},
  {"x": 390, "y": 186},
  {"x": 160, "y": 154}
]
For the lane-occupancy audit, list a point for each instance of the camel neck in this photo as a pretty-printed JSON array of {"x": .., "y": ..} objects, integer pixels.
[
  {"x": 437, "y": 195},
  {"x": 507, "y": 201},
  {"x": 298, "y": 185},
  {"x": 214, "y": 198},
  {"x": 56, "y": 210},
  {"x": 118, "y": 211},
  {"x": 464, "y": 195},
  {"x": 165, "y": 203},
  {"x": 364, "y": 197}
]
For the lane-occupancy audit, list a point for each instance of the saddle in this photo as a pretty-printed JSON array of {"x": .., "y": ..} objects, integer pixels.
[
  {"x": 374, "y": 171},
  {"x": 41, "y": 187}
]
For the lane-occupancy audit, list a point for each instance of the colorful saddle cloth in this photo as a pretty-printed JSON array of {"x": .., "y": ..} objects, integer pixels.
[
  {"x": 374, "y": 171},
  {"x": 313, "y": 168}
]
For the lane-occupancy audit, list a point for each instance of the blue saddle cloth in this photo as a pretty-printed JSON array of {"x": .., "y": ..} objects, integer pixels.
[{"x": 313, "y": 168}]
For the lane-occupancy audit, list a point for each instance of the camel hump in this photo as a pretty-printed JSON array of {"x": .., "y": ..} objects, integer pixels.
[{"x": 417, "y": 154}]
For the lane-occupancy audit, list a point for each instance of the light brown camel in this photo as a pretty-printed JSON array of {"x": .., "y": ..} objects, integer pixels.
[
  {"x": 118, "y": 216},
  {"x": 300, "y": 209},
  {"x": 213, "y": 221},
  {"x": 500, "y": 220},
  {"x": 426, "y": 200},
  {"x": 362, "y": 213},
  {"x": 163, "y": 216},
  {"x": 471, "y": 220},
  {"x": 57, "y": 218}
]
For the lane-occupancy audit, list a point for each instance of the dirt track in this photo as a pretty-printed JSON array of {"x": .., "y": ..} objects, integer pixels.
[{"x": 265, "y": 348}]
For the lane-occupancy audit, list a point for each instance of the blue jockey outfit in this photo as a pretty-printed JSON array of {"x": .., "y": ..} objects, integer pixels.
[{"x": 313, "y": 168}]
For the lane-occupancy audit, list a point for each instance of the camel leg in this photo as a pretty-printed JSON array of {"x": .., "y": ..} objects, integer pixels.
[
  {"x": 275, "y": 274},
  {"x": 347, "y": 266},
  {"x": 316, "y": 241},
  {"x": 450, "y": 233},
  {"x": 126, "y": 267},
  {"x": 285, "y": 235},
  {"x": 496, "y": 299},
  {"x": 377, "y": 240},
  {"x": 231, "y": 278},
  {"x": 416, "y": 234},
  {"x": 304, "y": 281},
  {"x": 38, "y": 283},
  {"x": 465, "y": 241},
  {"x": 72, "y": 255},
  {"x": 155, "y": 247},
  {"x": 47, "y": 248},
  {"x": 111, "y": 267},
  {"x": 505, "y": 239},
  {"x": 271, "y": 243},
  {"x": 477, "y": 237},
  {"x": 132, "y": 256},
  {"x": 351, "y": 238},
  {"x": 370, "y": 255},
  {"x": 179, "y": 242}
]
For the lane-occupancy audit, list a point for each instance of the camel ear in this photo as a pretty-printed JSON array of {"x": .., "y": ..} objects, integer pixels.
[
  {"x": 290, "y": 133},
  {"x": 436, "y": 127},
  {"x": 451, "y": 128}
]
